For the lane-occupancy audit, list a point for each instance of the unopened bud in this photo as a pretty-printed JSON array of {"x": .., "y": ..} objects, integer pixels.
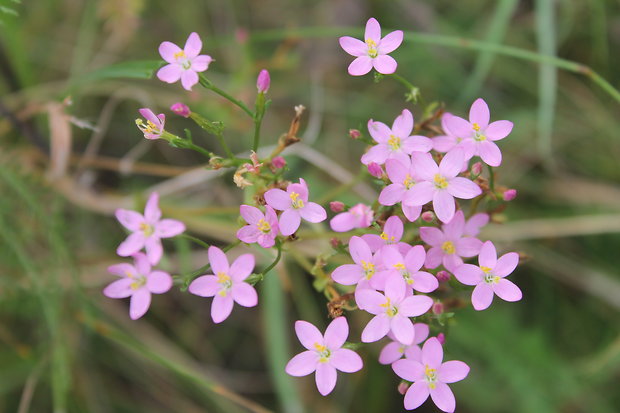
[
  {"x": 510, "y": 194},
  {"x": 441, "y": 338},
  {"x": 428, "y": 216},
  {"x": 263, "y": 81},
  {"x": 354, "y": 134},
  {"x": 476, "y": 169},
  {"x": 403, "y": 387},
  {"x": 375, "y": 170},
  {"x": 181, "y": 109},
  {"x": 336, "y": 206},
  {"x": 443, "y": 276},
  {"x": 278, "y": 162},
  {"x": 335, "y": 242},
  {"x": 438, "y": 307}
]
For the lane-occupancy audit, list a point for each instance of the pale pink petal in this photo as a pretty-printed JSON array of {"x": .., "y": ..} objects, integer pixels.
[
  {"x": 452, "y": 261},
  {"x": 373, "y": 30},
  {"x": 159, "y": 282},
  {"x": 192, "y": 45},
  {"x": 414, "y": 352},
  {"x": 308, "y": 334},
  {"x": 443, "y": 204},
  {"x": 325, "y": 378},
  {"x": 410, "y": 370},
  {"x": 336, "y": 333},
  {"x": 507, "y": 290},
  {"x": 149, "y": 115},
  {"x": 278, "y": 199},
  {"x": 152, "y": 213},
  {"x": 188, "y": 79},
  {"x": 289, "y": 222},
  {"x": 392, "y": 194},
  {"x": 343, "y": 222},
  {"x": 479, "y": 113},
  {"x": 302, "y": 364},
  {"x": 251, "y": 214},
  {"x": 167, "y": 228},
  {"x": 454, "y": 229},
  {"x": 244, "y": 294},
  {"x": 167, "y": 50},
  {"x": 205, "y": 286},
  {"x": 384, "y": 64},
  {"x": 432, "y": 236},
  {"x": 348, "y": 274},
  {"x": 374, "y": 241},
  {"x": 267, "y": 240},
  {"x": 129, "y": 219},
  {"x": 490, "y": 153},
  {"x": 313, "y": 212},
  {"x": 452, "y": 371},
  {"x": 469, "y": 274},
  {"x": 434, "y": 257},
  {"x": 300, "y": 188},
  {"x": 488, "y": 255},
  {"x": 396, "y": 171},
  {"x": 221, "y": 308},
  {"x": 395, "y": 289},
  {"x": 443, "y": 143},
  {"x": 119, "y": 288},
  {"x": 420, "y": 194},
  {"x": 154, "y": 249},
  {"x": 346, "y": 360},
  {"x": 391, "y": 352},
  {"x": 417, "y": 143},
  {"x": 249, "y": 234},
  {"x": 451, "y": 164},
  {"x": 424, "y": 166},
  {"x": 482, "y": 296},
  {"x": 376, "y": 328},
  {"x": 506, "y": 264},
  {"x": 201, "y": 63},
  {"x": 370, "y": 300},
  {"x": 359, "y": 250},
  {"x": 424, "y": 282},
  {"x": 139, "y": 304},
  {"x": 412, "y": 212},
  {"x": 458, "y": 127},
  {"x": 242, "y": 267},
  {"x": 377, "y": 154},
  {"x": 394, "y": 227},
  {"x": 403, "y": 124},
  {"x": 463, "y": 188},
  {"x": 416, "y": 395},
  {"x": 352, "y": 46},
  {"x": 421, "y": 332},
  {"x": 379, "y": 131},
  {"x": 360, "y": 66},
  {"x": 415, "y": 305},
  {"x": 443, "y": 397},
  {"x": 402, "y": 328},
  {"x": 415, "y": 258},
  {"x": 218, "y": 260},
  {"x": 498, "y": 130},
  {"x": 122, "y": 270},
  {"x": 390, "y": 42},
  {"x": 432, "y": 353},
  {"x": 473, "y": 224},
  {"x": 132, "y": 244},
  {"x": 468, "y": 246},
  {"x": 170, "y": 73}
]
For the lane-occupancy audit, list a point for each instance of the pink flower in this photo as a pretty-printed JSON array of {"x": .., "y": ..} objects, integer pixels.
[
  {"x": 263, "y": 81},
  {"x": 478, "y": 136},
  {"x": 395, "y": 350},
  {"x": 138, "y": 282},
  {"x": 154, "y": 126},
  {"x": 440, "y": 183},
  {"x": 261, "y": 228},
  {"x": 407, "y": 268},
  {"x": 431, "y": 376},
  {"x": 395, "y": 143},
  {"x": 391, "y": 235},
  {"x": 449, "y": 244},
  {"x": 147, "y": 230},
  {"x": 181, "y": 109},
  {"x": 359, "y": 216},
  {"x": 403, "y": 179},
  {"x": 489, "y": 277},
  {"x": 324, "y": 354},
  {"x": 445, "y": 143},
  {"x": 392, "y": 311},
  {"x": 184, "y": 63},
  {"x": 365, "y": 268},
  {"x": 373, "y": 51},
  {"x": 473, "y": 224},
  {"x": 227, "y": 286},
  {"x": 278, "y": 162},
  {"x": 294, "y": 203}
]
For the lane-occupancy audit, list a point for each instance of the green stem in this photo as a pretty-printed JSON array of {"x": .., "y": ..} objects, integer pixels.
[
  {"x": 257, "y": 123},
  {"x": 491, "y": 178},
  {"x": 195, "y": 240},
  {"x": 276, "y": 261},
  {"x": 207, "y": 84},
  {"x": 222, "y": 142}
]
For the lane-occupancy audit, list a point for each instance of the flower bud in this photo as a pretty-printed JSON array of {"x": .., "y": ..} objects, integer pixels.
[
  {"x": 428, "y": 216},
  {"x": 278, "y": 162},
  {"x": 263, "y": 81},
  {"x": 403, "y": 387},
  {"x": 375, "y": 170},
  {"x": 438, "y": 307},
  {"x": 510, "y": 194},
  {"x": 354, "y": 134},
  {"x": 180, "y": 109},
  {"x": 336, "y": 206},
  {"x": 335, "y": 242},
  {"x": 476, "y": 169},
  {"x": 441, "y": 338},
  {"x": 443, "y": 276}
]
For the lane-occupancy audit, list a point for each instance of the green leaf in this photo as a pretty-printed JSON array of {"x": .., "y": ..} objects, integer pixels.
[{"x": 138, "y": 69}]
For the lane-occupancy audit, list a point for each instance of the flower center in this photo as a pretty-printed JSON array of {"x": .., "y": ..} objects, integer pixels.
[
  {"x": 263, "y": 226},
  {"x": 408, "y": 182},
  {"x": 226, "y": 283},
  {"x": 448, "y": 247},
  {"x": 440, "y": 182},
  {"x": 323, "y": 351},
  {"x": 139, "y": 281},
  {"x": 182, "y": 59},
  {"x": 369, "y": 269},
  {"x": 295, "y": 201},
  {"x": 476, "y": 127},
  {"x": 387, "y": 238},
  {"x": 488, "y": 277},
  {"x": 394, "y": 143},
  {"x": 148, "y": 127},
  {"x": 390, "y": 310},
  {"x": 479, "y": 137},
  {"x": 146, "y": 229},
  {"x": 430, "y": 376},
  {"x": 372, "y": 48},
  {"x": 403, "y": 271}
]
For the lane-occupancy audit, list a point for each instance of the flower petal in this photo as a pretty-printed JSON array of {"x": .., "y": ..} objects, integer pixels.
[
  {"x": 251, "y": 214},
  {"x": 432, "y": 236},
  {"x": 424, "y": 166},
  {"x": 167, "y": 228},
  {"x": 490, "y": 153},
  {"x": 469, "y": 274},
  {"x": 479, "y": 113},
  {"x": 248, "y": 234},
  {"x": 325, "y": 378},
  {"x": 201, "y": 63},
  {"x": 154, "y": 249},
  {"x": 132, "y": 244},
  {"x": 452, "y": 163},
  {"x": 221, "y": 308},
  {"x": 402, "y": 328},
  {"x": 122, "y": 270},
  {"x": 139, "y": 304},
  {"x": 370, "y": 300},
  {"x": 159, "y": 282},
  {"x": 352, "y": 46},
  {"x": 424, "y": 282},
  {"x": 452, "y": 371},
  {"x": 188, "y": 79},
  {"x": 376, "y": 328},
  {"x": 390, "y": 42},
  {"x": 468, "y": 247},
  {"x": 302, "y": 364},
  {"x": 409, "y": 370},
  {"x": 205, "y": 286},
  {"x": 359, "y": 250},
  {"x": 434, "y": 257},
  {"x": 415, "y": 305},
  {"x": 152, "y": 213},
  {"x": 346, "y": 360},
  {"x": 417, "y": 143},
  {"x": 289, "y": 221},
  {"x": 391, "y": 352},
  {"x": 392, "y": 194},
  {"x": 463, "y": 188},
  {"x": 379, "y": 131},
  {"x": 457, "y": 126},
  {"x": 308, "y": 334},
  {"x": 242, "y": 267},
  {"x": 473, "y": 224},
  {"x": 167, "y": 50},
  {"x": 482, "y": 296},
  {"x": 218, "y": 260},
  {"x": 377, "y": 154},
  {"x": 170, "y": 73},
  {"x": 373, "y": 30},
  {"x": 360, "y": 66},
  {"x": 443, "y": 204},
  {"x": 129, "y": 219},
  {"x": 244, "y": 294},
  {"x": 347, "y": 274},
  {"x": 443, "y": 143},
  {"x": 421, "y": 194},
  {"x": 403, "y": 124},
  {"x": 421, "y": 332},
  {"x": 192, "y": 45},
  {"x": 498, "y": 130},
  {"x": 415, "y": 258},
  {"x": 384, "y": 64},
  {"x": 507, "y": 290},
  {"x": 313, "y": 212},
  {"x": 278, "y": 199},
  {"x": 343, "y": 222},
  {"x": 336, "y": 333},
  {"x": 119, "y": 289},
  {"x": 488, "y": 255},
  {"x": 443, "y": 397},
  {"x": 506, "y": 264},
  {"x": 432, "y": 353},
  {"x": 412, "y": 212},
  {"x": 416, "y": 395}
]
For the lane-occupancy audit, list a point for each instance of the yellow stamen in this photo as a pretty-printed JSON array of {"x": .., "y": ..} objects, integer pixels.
[
  {"x": 296, "y": 202},
  {"x": 431, "y": 376},
  {"x": 476, "y": 127},
  {"x": 394, "y": 142},
  {"x": 323, "y": 352},
  {"x": 263, "y": 226},
  {"x": 440, "y": 182},
  {"x": 408, "y": 182},
  {"x": 400, "y": 266},
  {"x": 448, "y": 247},
  {"x": 486, "y": 270},
  {"x": 386, "y": 237},
  {"x": 369, "y": 269},
  {"x": 390, "y": 310},
  {"x": 222, "y": 277},
  {"x": 179, "y": 54},
  {"x": 147, "y": 229},
  {"x": 372, "y": 48}
]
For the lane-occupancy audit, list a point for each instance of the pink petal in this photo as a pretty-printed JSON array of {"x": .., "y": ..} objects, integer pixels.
[
  {"x": 159, "y": 282},
  {"x": 167, "y": 228},
  {"x": 468, "y": 247},
  {"x": 376, "y": 328},
  {"x": 300, "y": 188},
  {"x": 354, "y": 47},
  {"x": 479, "y": 113},
  {"x": 507, "y": 290},
  {"x": 395, "y": 289},
  {"x": 348, "y": 274},
  {"x": 443, "y": 397},
  {"x": 420, "y": 194},
  {"x": 302, "y": 364},
  {"x": 132, "y": 244},
  {"x": 251, "y": 214},
  {"x": 336, "y": 333},
  {"x": 424, "y": 166},
  {"x": 188, "y": 79},
  {"x": 325, "y": 378},
  {"x": 416, "y": 395},
  {"x": 452, "y": 371},
  {"x": 313, "y": 212},
  {"x": 490, "y": 153},
  {"x": 384, "y": 64},
  {"x": 498, "y": 130},
  {"x": 415, "y": 258},
  {"x": 192, "y": 45},
  {"x": 267, "y": 240},
  {"x": 469, "y": 274},
  {"x": 391, "y": 352},
  {"x": 152, "y": 213},
  {"x": 201, "y": 63},
  {"x": 421, "y": 332},
  {"x": 451, "y": 164},
  {"x": 409, "y": 370},
  {"x": 248, "y": 234},
  {"x": 402, "y": 328},
  {"x": 458, "y": 127},
  {"x": 506, "y": 264},
  {"x": 414, "y": 352},
  {"x": 424, "y": 282},
  {"x": 308, "y": 334},
  {"x": 373, "y": 30},
  {"x": 432, "y": 236},
  {"x": 218, "y": 260},
  {"x": 122, "y": 269},
  {"x": 205, "y": 286},
  {"x": 473, "y": 224},
  {"x": 454, "y": 229},
  {"x": 394, "y": 227},
  {"x": 149, "y": 115},
  {"x": 403, "y": 124},
  {"x": 154, "y": 249},
  {"x": 396, "y": 171},
  {"x": 360, "y": 66},
  {"x": 119, "y": 288},
  {"x": 488, "y": 255},
  {"x": 432, "y": 353},
  {"x": 412, "y": 212},
  {"x": 443, "y": 204},
  {"x": 452, "y": 262},
  {"x": 167, "y": 50},
  {"x": 370, "y": 300},
  {"x": 139, "y": 304},
  {"x": 377, "y": 154},
  {"x": 359, "y": 250},
  {"x": 242, "y": 267},
  {"x": 244, "y": 294},
  {"x": 482, "y": 296},
  {"x": 278, "y": 199},
  {"x": 129, "y": 219},
  {"x": 390, "y": 42},
  {"x": 221, "y": 308},
  {"x": 443, "y": 143},
  {"x": 346, "y": 360},
  {"x": 463, "y": 188},
  {"x": 379, "y": 131},
  {"x": 170, "y": 73},
  {"x": 434, "y": 257},
  {"x": 343, "y": 222},
  {"x": 289, "y": 222},
  {"x": 392, "y": 194},
  {"x": 415, "y": 305},
  {"x": 417, "y": 143}
]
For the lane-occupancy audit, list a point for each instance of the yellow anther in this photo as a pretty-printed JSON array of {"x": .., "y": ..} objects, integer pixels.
[
  {"x": 222, "y": 292},
  {"x": 486, "y": 270},
  {"x": 320, "y": 347},
  {"x": 147, "y": 229},
  {"x": 222, "y": 277},
  {"x": 440, "y": 182},
  {"x": 263, "y": 226},
  {"x": 431, "y": 376},
  {"x": 394, "y": 142},
  {"x": 369, "y": 269},
  {"x": 179, "y": 54},
  {"x": 295, "y": 201},
  {"x": 448, "y": 247},
  {"x": 384, "y": 236},
  {"x": 372, "y": 48},
  {"x": 408, "y": 182},
  {"x": 400, "y": 266},
  {"x": 476, "y": 127},
  {"x": 390, "y": 310}
]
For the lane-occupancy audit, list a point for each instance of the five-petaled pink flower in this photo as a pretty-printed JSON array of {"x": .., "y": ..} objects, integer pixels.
[
  {"x": 373, "y": 51},
  {"x": 392, "y": 311},
  {"x": 449, "y": 243},
  {"x": 473, "y": 224},
  {"x": 154, "y": 126},
  {"x": 359, "y": 216},
  {"x": 227, "y": 286},
  {"x": 440, "y": 183},
  {"x": 137, "y": 281},
  {"x": 147, "y": 230},
  {"x": 183, "y": 63},
  {"x": 489, "y": 277},
  {"x": 261, "y": 228},
  {"x": 295, "y": 206},
  {"x": 477, "y": 137},
  {"x": 431, "y": 376},
  {"x": 403, "y": 179},
  {"x": 407, "y": 268},
  {"x": 325, "y": 354},
  {"x": 364, "y": 270},
  {"x": 391, "y": 235},
  {"x": 395, "y": 143},
  {"x": 396, "y": 350}
]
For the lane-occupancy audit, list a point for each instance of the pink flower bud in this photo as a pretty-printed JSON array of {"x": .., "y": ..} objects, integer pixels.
[
  {"x": 438, "y": 307},
  {"x": 336, "y": 206},
  {"x": 428, "y": 216},
  {"x": 263, "y": 81},
  {"x": 375, "y": 170},
  {"x": 278, "y": 162},
  {"x": 403, "y": 387},
  {"x": 335, "y": 242},
  {"x": 441, "y": 338},
  {"x": 354, "y": 133},
  {"x": 476, "y": 169},
  {"x": 510, "y": 194},
  {"x": 443, "y": 276},
  {"x": 180, "y": 109}
]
